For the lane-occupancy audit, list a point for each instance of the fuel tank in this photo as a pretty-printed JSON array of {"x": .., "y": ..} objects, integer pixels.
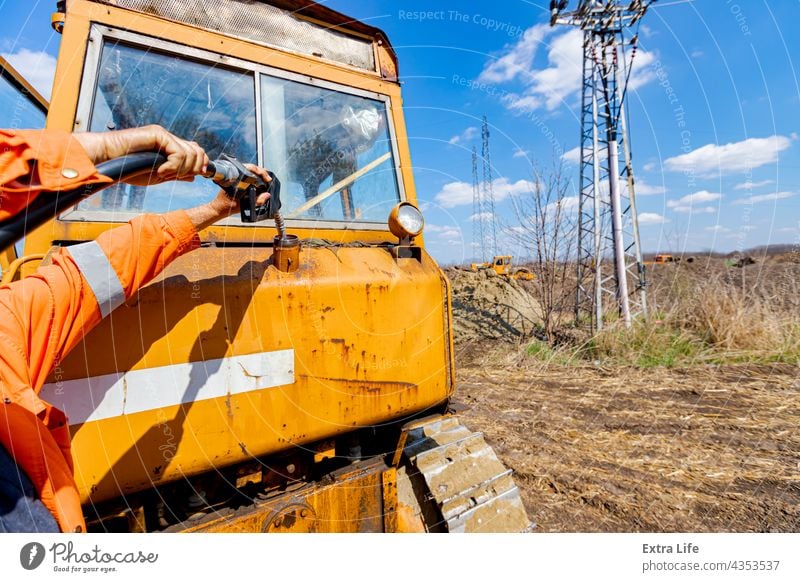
[{"x": 224, "y": 358}]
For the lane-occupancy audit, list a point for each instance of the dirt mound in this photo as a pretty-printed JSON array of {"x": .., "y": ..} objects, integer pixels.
[{"x": 489, "y": 306}]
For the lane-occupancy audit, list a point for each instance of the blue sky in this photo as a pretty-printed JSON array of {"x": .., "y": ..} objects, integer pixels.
[{"x": 713, "y": 113}]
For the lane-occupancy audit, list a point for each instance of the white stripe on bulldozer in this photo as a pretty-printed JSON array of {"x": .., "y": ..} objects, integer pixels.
[{"x": 99, "y": 397}]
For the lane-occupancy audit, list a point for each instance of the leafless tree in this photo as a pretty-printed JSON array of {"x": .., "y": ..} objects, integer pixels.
[{"x": 546, "y": 231}]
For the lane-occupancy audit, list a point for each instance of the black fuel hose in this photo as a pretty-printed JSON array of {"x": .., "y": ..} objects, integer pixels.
[{"x": 48, "y": 205}]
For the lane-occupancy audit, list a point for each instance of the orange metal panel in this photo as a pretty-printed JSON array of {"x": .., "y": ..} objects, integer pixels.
[{"x": 370, "y": 338}]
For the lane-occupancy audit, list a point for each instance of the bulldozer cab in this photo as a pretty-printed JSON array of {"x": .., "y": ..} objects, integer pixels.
[
  {"x": 294, "y": 394},
  {"x": 318, "y": 105},
  {"x": 502, "y": 265}
]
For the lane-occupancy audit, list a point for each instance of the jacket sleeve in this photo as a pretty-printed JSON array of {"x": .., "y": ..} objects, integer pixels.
[
  {"x": 48, "y": 313},
  {"x": 36, "y": 160}
]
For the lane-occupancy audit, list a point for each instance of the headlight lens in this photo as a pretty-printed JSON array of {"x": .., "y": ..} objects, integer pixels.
[{"x": 406, "y": 220}]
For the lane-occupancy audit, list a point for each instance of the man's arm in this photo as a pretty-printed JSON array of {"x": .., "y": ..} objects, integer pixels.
[
  {"x": 33, "y": 161},
  {"x": 46, "y": 315}
]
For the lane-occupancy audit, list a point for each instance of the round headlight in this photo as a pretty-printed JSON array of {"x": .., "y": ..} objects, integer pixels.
[{"x": 405, "y": 220}]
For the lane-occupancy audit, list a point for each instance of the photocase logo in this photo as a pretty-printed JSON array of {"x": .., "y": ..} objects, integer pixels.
[{"x": 31, "y": 555}]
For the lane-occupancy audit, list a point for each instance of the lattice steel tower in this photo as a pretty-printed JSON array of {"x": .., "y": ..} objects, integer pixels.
[
  {"x": 488, "y": 187},
  {"x": 608, "y": 222},
  {"x": 478, "y": 238}
]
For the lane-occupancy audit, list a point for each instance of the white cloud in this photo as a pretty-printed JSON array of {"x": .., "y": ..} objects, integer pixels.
[
  {"x": 692, "y": 199},
  {"x": 38, "y": 67},
  {"x": 561, "y": 79},
  {"x": 693, "y": 202},
  {"x": 520, "y": 153},
  {"x": 460, "y": 193},
  {"x": 480, "y": 216},
  {"x": 642, "y": 72},
  {"x": 646, "y": 218},
  {"x": 695, "y": 209},
  {"x": 649, "y": 167},
  {"x": 465, "y": 136},
  {"x": 730, "y": 158},
  {"x": 642, "y": 188},
  {"x": 518, "y": 59},
  {"x": 444, "y": 232},
  {"x": 573, "y": 156},
  {"x": 568, "y": 204},
  {"x": 697, "y": 53},
  {"x": 751, "y": 185},
  {"x": 718, "y": 228},
  {"x": 764, "y": 198}
]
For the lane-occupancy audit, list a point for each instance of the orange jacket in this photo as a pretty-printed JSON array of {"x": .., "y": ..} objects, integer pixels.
[
  {"x": 44, "y": 316},
  {"x": 34, "y": 160}
]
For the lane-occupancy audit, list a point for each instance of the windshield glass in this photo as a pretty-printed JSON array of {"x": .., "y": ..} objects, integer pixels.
[
  {"x": 331, "y": 150},
  {"x": 213, "y": 106}
]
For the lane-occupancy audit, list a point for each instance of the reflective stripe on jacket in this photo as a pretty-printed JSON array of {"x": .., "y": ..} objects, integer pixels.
[{"x": 42, "y": 317}]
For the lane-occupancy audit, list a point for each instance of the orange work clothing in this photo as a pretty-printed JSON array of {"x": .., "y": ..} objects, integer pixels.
[
  {"x": 44, "y": 316},
  {"x": 36, "y": 160}
]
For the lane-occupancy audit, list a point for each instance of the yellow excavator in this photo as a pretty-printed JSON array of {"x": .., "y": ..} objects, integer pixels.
[
  {"x": 258, "y": 385},
  {"x": 502, "y": 265}
]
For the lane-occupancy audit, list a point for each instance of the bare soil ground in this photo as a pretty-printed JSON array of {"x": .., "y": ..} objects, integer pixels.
[{"x": 706, "y": 448}]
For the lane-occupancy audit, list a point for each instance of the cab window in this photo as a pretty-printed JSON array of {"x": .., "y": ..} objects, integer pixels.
[
  {"x": 330, "y": 145},
  {"x": 210, "y": 105},
  {"x": 333, "y": 150}
]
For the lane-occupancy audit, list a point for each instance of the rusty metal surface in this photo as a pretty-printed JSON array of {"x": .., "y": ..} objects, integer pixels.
[
  {"x": 263, "y": 23},
  {"x": 390, "y": 500},
  {"x": 351, "y": 501},
  {"x": 368, "y": 348},
  {"x": 471, "y": 488}
]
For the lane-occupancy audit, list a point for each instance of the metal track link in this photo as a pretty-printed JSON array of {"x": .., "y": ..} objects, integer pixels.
[{"x": 470, "y": 486}]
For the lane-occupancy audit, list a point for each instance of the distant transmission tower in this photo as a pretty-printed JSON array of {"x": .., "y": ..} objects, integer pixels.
[
  {"x": 608, "y": 219},
  {"x": 488, "y": 187},
  {"x": 478, "y": 238}
]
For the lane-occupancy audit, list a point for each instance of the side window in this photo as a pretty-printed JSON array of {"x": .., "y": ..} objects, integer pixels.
[
  {"x": 333, "y": 150},
  {"x": 210, "y": 105},
  {"x": 17, "y": 109}
]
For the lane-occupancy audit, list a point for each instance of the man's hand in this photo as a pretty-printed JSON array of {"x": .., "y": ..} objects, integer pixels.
[
  {"x": 223, "y": 205},
  {"x": 185, "y": 159}
]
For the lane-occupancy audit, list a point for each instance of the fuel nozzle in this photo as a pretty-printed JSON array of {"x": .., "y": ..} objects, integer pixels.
[{"x": 245, "y": 187}]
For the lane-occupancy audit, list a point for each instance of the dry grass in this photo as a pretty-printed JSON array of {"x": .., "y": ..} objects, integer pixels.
[
  {"x": 687, "y": 422},
  {"x": 729, "y": 318},
  {"x": 701, "y": 319},
  {"x": 710, "y": 448}
]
